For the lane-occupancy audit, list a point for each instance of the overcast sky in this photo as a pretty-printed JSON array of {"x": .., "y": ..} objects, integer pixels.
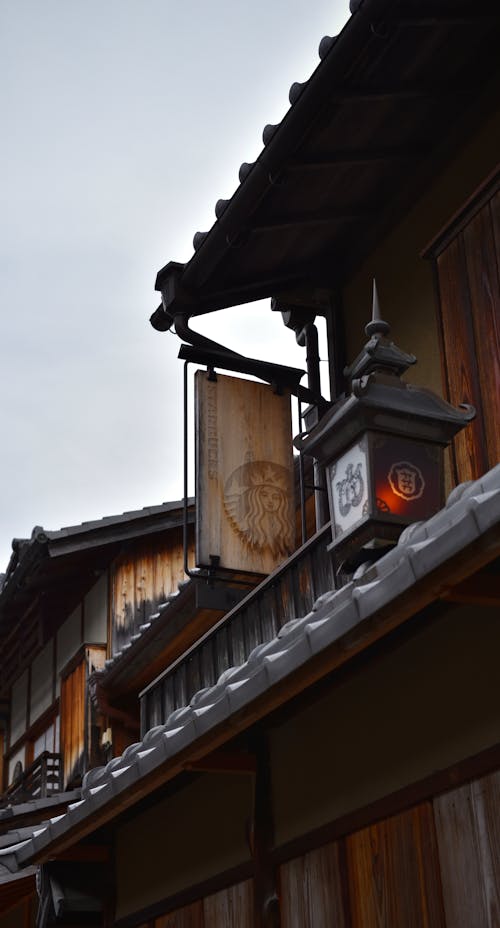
[{"x": 123, "y": 122}]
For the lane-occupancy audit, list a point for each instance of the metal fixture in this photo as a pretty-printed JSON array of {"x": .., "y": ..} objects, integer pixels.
[{"x": 382, "y": 447}]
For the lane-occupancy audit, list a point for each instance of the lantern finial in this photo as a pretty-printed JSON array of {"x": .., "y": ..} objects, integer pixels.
[
  {"x": 379, "y": 354},
  {"x": 377, "y": 326}
]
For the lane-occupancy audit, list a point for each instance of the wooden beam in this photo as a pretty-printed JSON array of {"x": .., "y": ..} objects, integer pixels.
[
  {"x": 266, "y": 898},
  {"x": 355, "y": 156},
  {"x": 86, "y": 853},
  {"x": 442, "y": 17},
  {"x": 225, "y": 762},
  {"x": 396, "y": 94},
  {"x": 483, "y": 589},
  {"x": 328, "y": 217}
]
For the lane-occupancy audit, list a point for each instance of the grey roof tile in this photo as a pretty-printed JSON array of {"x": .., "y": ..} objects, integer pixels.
[
  {"x": 325, "y": 631},
  {"x": 244, "y": 170},
  {"x": 37, "y": 805},
  {"x": 268, "y": 132},
  {"x": 295, "y": 91},
  {"x": 325, "y": 45}
]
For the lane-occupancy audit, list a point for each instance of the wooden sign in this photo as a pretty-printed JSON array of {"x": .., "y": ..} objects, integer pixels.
[{"x": 244, "y": 474}]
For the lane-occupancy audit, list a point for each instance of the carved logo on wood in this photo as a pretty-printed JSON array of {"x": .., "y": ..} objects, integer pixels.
[{"x": 257, "y": 505}]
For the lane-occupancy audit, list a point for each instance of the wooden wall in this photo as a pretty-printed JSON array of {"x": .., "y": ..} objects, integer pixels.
[
  {"x": 76, "y": 714},
  {"x": 18, "y": 904},
  {"x": 72, "y": 722},
  {"x": 467, "y": 261},
  {"x": 141, "y": 580},
  {"x": 434, "y": 865},
  {"x": 232, "y": 906}
]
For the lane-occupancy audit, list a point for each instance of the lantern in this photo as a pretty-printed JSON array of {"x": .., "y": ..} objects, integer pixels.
[{"x": 382, "y": 448}]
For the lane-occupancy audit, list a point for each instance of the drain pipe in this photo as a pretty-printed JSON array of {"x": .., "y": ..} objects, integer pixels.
[
  {"x": 301, "y": 320},
  {"x": 307, "y": 338}
]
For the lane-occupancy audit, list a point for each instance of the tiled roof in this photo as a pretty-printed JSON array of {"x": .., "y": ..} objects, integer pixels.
[
  {"x": 18, "y": 836},
  {"x": 345, "y": 158},
  {"x": 472, "y": 512},
  {"x": 26, "y": 552},
  {"x": 35, "y": 806},
  {"x": 129, "y": 516}
]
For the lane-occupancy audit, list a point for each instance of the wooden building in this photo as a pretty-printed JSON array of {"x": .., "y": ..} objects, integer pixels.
[
  {"x": 325, "y": 750},
  {"x": 71, "y": 602}
]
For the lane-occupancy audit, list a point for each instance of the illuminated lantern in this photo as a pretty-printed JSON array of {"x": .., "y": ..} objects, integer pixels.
[{"x": 382, "y": 448}]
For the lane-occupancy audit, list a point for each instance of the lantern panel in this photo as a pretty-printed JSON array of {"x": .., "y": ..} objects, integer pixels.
[
  {"x": 348, "y": 480},
  {"x": 407, "y": 478}
]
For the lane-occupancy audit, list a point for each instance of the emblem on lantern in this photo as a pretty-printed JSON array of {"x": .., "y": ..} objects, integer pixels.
[
  {"x": 350, "y": 489},
  {"x": 406, "y": 480}
]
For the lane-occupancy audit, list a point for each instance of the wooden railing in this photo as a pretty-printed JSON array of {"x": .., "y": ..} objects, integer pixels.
[
  {"x": 286, "y": 594},
  {"x": 43, "y": 778}
]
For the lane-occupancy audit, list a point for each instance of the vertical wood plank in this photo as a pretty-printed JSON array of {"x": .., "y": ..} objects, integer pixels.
[
  {"x": 268, "y": 618},
  {"x": 221, "y": 652},
  {"x": 304, "y": 581},
  {"x": 144, "y": 595},
  {"x": 322, "y": 572},
  {"x": 73, "y": 721},
  {"x": 393, "y": 873},
  {"x": 460, "y": 358},
  {"x": 495, "y": 218},
  {"x": 169, "y": 697},
  {"x": 193, "y": 675},
  {"x": 486, "y": 802},
  {"x": 230, "y": 908},
  {"x": 252, "y": 628},
  {"x": 190, "y": 916},
  {"x": 468, "y": 833},
  {"x": 238, "y": 652},
  {"x": 123, "y": 604},
  {"x": 311, "y": 890},
  {"x": 482, "y": 270}
]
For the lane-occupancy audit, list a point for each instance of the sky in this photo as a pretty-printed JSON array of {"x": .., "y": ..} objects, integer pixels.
[{"x": 124, "y": 121}]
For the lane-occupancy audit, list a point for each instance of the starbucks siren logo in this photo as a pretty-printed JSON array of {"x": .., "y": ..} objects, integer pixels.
[{"x": 258, "y": 504}]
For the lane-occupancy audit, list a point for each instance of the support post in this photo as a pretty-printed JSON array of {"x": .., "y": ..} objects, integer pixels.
[{"x": 266, "y": 900}]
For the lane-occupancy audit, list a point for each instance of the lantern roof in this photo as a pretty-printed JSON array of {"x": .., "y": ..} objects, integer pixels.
[{"x": 380, "y": 401}]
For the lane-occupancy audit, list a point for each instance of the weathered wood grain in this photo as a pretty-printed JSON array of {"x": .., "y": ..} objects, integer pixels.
[
  {"x": 393, "y": 873},
  {"x": 141, "y": 580},
  {"x": 468, "y": 834},
  {"x": 190, "y": 916},
  {"x": 230, "y": 908},
  {"x": 73, "y": 721},
  {"x": 482, "y": 271},
  {"x": 311, "y": 891},
  {"x": 460, "y": 358},
  {"x": 244, "y": 475}
]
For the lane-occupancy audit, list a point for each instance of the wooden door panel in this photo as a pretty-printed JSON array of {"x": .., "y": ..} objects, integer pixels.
[
  {"x": 482, "y": 272},
  {"x": 460, "y": 360},
  {"x": 468, "y": 834},
  {"x": 311, "y": 890},
  {"x": 72, "y": 732},
  {"x": 230, "y": 908},
  {"x": 393, "y": 873},
  {"x": 190, "y": 916}
]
